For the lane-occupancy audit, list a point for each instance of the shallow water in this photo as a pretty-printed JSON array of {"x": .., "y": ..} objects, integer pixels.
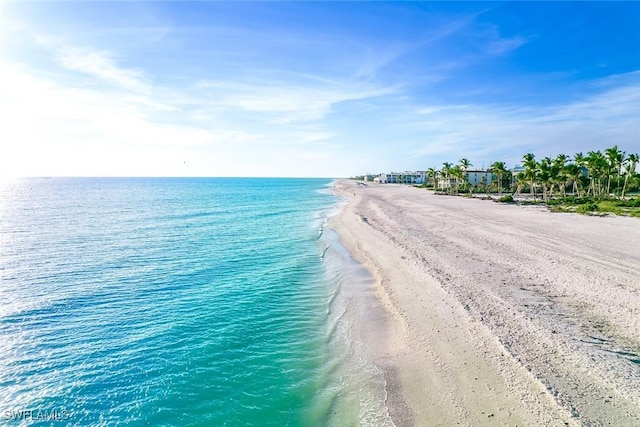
[
  {"x": 359, "y": 391},
  {"x": 178, "y": 302}
]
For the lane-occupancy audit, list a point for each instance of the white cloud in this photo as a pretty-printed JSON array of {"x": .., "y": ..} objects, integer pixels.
[
  {"x": 495, "y": 132},
  {"x": 101, "y": 66},
  {"x": 505, "y": 45},
  {"x": 53, "y": 129},
  {"x": 287, "y": 102},
  {"x": 222, "y": 128}
]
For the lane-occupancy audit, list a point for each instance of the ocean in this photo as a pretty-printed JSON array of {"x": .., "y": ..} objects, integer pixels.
[{"x": 186, "y": 302}]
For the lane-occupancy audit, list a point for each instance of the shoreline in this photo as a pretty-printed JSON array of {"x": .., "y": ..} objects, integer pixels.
[
  {"x": 356, "y": 387},
  {"x": 484, "y": 326}
]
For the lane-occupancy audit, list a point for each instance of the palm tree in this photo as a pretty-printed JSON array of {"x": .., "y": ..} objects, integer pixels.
[
  {"x": 630, "y": 166},
  {"x": 591, "y": 163},
  {"x": 465, "y": 164},
  {"x": 560, "y": 176},
  {"x": 500, "y": 170},
  {"x": 574, "y": 173},
  {"x": 458, "y": 173},
  {"x": 530, "y": 171},
  {"x": 561, "y": 159},
  {"x": 581, "y": 162},
  {"x": 521, "y": 178},
  {"x": 445, "y": 173},
  {"x": 545, "y": 175},
  {"x": 615, "y": 158},
  {"x": 432, "y": 173}
]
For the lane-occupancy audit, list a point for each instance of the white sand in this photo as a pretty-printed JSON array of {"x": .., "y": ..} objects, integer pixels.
[{"x": 499, "y": 314}]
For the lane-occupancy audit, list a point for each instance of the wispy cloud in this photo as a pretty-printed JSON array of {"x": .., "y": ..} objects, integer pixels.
[
  {"x": 84, "y": 129},
  {"x": 505, "y": 45},
  {"x": 490, "y": 40},
  {"x": 234, "y": 88},
  {"x": 99, "y": 130},
  {"x": 288, "y": 102},
  {"x": 505, "y": 132},
  {"x": 100, "y": 65}
]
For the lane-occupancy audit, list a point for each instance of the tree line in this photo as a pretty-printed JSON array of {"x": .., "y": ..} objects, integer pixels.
[{"x": 597, "y": 174}]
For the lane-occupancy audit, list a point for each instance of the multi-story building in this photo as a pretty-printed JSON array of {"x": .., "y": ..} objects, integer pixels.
[
  {"x": 478, "y": 177},
  {"x": 473, "y": 177},
  {"x": 407, "y": 177}
]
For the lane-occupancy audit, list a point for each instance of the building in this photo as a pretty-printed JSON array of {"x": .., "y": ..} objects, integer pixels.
[
  {"x": 381, "y": 179},
  {"x": 473, "y": 177},
  {"x": 446, "y": 182},
  {"x": 479, "y": 177},
  {"x": 415, "y": 177},
  {"x": 407, "y": 177}
]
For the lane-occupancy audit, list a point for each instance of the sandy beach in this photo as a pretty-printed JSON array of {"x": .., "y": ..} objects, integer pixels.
[{"x": 495, "y": 314}]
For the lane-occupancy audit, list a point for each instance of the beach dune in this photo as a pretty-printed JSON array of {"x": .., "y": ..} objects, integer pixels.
[{"x": 498, "y": 314}]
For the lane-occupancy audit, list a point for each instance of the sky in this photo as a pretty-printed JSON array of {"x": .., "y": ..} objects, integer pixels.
[{"x": 310, "y": 89}]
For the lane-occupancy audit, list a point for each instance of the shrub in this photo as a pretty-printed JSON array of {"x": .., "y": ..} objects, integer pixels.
[
  {"x": 569, "y": 200},
  {"x": 631, "y": 203},
  {"x": 587, "y": 207},
  {"x": 506, "y": 199},
  {"x": 582, "y": 200}
]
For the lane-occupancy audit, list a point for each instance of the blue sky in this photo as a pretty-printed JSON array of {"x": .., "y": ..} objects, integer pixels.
[{"x": 323, "y": 89}]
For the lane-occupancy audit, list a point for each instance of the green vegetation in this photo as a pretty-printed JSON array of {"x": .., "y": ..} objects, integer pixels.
[
  {"x": 587, "y": 207},
  {"x": 596, "y": 183},
  {"x": 630, "y": 207}
]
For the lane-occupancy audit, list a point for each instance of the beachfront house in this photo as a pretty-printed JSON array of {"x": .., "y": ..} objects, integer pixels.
[
  {"x": 473, "y": 177},
  {"x": 446, "y": 182},
  {"x": 479, "y": 177},
  {"x": 381, "y": 179},
  {"x": 407, "y": 177},
  {"x": 416, "y": 177}
]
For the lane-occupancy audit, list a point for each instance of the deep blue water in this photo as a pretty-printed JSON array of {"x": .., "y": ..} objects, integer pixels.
[{"x": 166, "y": 302}]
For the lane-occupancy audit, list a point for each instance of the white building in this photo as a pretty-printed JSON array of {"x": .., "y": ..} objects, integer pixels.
[
  {"x": 382, "y": 178},
  {"x": 407, "y": 177},
  {"x": 476, "y": 177},
  {"x": 419, "y": 177},
  {"x": 446, "y": 183}
]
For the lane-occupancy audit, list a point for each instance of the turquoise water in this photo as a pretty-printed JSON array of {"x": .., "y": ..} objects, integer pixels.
[{"x": 173, "y": 302}]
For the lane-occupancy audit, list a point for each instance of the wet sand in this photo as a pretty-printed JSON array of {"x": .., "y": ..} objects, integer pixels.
[{"x": 498, "y": 315}]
